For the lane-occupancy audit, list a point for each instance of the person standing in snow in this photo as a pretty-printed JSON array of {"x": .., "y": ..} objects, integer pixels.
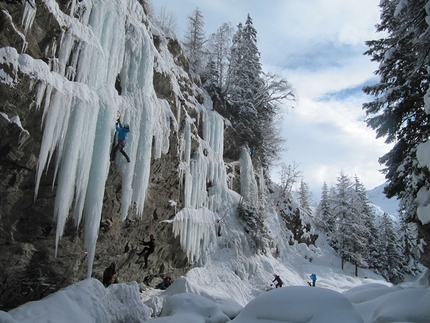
[
  {"x": 150, "y": 248},
  {"x": 314, "y": 279},
  {"x": 109, "y": 274},
  {"x": 122, "y": 140},
  {"x": 278, "y": 280}
]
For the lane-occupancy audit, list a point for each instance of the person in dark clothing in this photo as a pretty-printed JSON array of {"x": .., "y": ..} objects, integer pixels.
[
  {"x": 278, "y": 280},
  {"x": 109, "y": 274},
  {"x": 165, "y": 283},
  {"x": 150, "y": 248},
  {"x": 122, "y": 140}
]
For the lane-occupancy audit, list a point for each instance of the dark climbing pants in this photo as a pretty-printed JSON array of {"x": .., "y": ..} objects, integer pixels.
[
  {"x": 120, "y": 145},
  {"x": 146, "y": 251}
]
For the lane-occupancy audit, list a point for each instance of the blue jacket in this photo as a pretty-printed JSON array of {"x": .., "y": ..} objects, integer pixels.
[
  {"x": 313, "y": 277},
  {"x": 122, "y": 132}
]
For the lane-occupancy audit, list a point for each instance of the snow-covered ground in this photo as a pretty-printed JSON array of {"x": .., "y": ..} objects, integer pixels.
[{"x": 214, "y": 293}]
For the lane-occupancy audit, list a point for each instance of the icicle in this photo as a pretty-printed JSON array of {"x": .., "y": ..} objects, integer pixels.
[
  {"x": 196, "y": 228},
  {"x": 248, "y": 184},
  {"x": 24, "y": 135},
  {"x": 28, "y": 16}
]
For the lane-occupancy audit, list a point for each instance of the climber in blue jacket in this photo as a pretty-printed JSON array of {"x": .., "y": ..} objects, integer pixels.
[
  {"x": 314, "y": 279},
  {"x": 122, "y": 140}
]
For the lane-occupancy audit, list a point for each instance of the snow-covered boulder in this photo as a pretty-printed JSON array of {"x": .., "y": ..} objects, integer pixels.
[
  {"x": 228, "y": 306},
  {"x": 383, "y": 304},
  {"x": 299, "y": 304},
  {"x": 85, "y": 302},
  {"x": 187, "y": 307}
]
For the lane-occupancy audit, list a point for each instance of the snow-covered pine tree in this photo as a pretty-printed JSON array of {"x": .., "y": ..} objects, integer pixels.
[
  {"x": 373, "y": 250},
  {"x": 194, "y": 41},
  {"x": 304, "y": 197},
  {"x": 253, "y": 98},
  {"x": 324, "y": 215},
  {"x": 307, "y": 221},
  {"x": 397, "y": 112},
  {"x": 411, "y": 253},
  {"x": 391, "y": 262},
  {"x": 360, "y": 230},
  {"x": 210, "y": 80},
  {"x": 244, "y": 84},
  {"x": 343, "y": 212}
]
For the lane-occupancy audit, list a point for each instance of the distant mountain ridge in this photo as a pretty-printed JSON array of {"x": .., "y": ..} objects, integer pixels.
[{"x": 383, "y": 204}]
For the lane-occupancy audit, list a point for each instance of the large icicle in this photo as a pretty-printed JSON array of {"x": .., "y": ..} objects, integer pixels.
[
  {"x": 248, "y": 184},
  {"x": 205, "y": 190},
  {"x": 196, "y": 228}
]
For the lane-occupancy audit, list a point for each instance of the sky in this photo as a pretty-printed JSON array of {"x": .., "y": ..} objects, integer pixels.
[{"x": 318, "y": 46}]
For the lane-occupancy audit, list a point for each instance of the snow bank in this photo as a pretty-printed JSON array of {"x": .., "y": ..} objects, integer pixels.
[
  {"x": 183, "y": 285},
  {"x": 190, "y": 308},
  {"x": 379, "y": 303},
  {"x": 85, "y": 302},
  {"x": 299, "y": 304}
]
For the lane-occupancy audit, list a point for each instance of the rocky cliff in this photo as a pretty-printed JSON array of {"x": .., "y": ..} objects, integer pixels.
[{"x": 28, "y": 265}]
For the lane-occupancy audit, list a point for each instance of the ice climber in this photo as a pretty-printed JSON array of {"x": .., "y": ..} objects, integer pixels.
[
  {"x": 278, "y": 280},
  {"x": 150, "y": 248},
  {"x": 122, "y": 140}
]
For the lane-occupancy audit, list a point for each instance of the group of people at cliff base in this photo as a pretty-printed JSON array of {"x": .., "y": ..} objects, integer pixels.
[
  {"x": 279, "y": 281},
  {"x": 110, "y": 274}
]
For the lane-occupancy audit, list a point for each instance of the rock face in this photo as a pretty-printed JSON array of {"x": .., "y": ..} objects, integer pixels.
[{"x": 30, "y": 270}]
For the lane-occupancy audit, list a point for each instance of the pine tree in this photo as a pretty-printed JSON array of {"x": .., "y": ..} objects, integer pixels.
[
  {"x": 326, "y": 220},
  {"x": 194, "y": 41},
  {"x": 360, "y": 229},
  {"x": 411, "y": 253},
  {"x": 304, "y": 197},
  {"x": 398, "y": 112},
  {"x": 252, "y": 96},
  {"x": 244, "y": 82},
  {"x": 391, "y": 266},
  {"x": 342, "y": 211},
  {"x": 211, "y": 80}
]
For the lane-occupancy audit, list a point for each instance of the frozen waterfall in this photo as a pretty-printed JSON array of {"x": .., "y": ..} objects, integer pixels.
[{"x": 102, "y": 41}]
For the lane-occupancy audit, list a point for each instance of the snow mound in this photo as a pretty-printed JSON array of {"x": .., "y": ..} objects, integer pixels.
[
  {"x": 382, "y": 304},
  {"x": 299, "y": 304},
  {"x": 228, "y": 306},
  {"x": 188, "y": 307},
  {"x": 85, "y": 302},
  {"x": 367, "y": 292}
]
